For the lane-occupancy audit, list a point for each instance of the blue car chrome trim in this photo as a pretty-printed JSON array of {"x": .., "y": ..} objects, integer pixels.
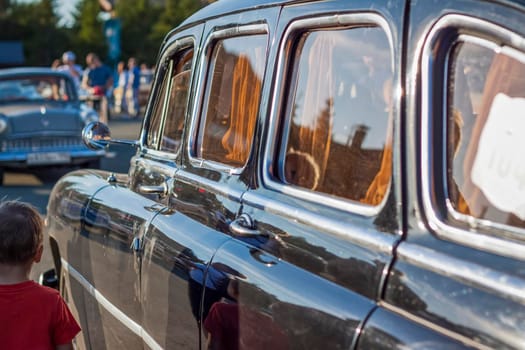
[{"x": 112, "y": 309}]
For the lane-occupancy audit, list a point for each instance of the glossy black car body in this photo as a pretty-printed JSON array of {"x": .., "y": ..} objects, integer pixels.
[
  {"x": 41, "y": 121},
  {"x": 194, "y": 249}
]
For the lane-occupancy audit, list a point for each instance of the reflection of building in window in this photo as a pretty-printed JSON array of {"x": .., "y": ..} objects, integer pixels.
[
  {"x": 341, "y": 115},
  {"x": 357, "y": 136}
]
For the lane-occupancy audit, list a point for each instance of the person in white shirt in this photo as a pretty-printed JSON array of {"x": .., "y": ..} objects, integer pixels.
[{"x": 68, "y": 59}]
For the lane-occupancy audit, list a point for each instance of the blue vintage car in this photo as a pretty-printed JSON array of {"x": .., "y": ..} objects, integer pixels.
[
  {"x": 41, "y": 121},
  {"x": 312, "y": 175}
]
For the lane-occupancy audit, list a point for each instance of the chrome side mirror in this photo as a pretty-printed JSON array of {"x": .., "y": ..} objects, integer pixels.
[{"x": 96, "y": 135}]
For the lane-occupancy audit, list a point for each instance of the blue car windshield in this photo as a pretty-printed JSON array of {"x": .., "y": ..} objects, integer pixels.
[{"x": 36, "y": 88}]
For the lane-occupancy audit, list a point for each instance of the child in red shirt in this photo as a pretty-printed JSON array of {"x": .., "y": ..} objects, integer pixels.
[{"x": 31, "y": 316}]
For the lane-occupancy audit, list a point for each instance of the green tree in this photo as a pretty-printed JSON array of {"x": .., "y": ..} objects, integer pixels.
[
  {"x": 174, "y": 13},
  {"x": 87, "y": 32},
  {"x": 144, "y": 24},
  {"x": 35, "y": 24},
  {"x": 137, "y": 18},
  {"x": 4, "y": 6},
  {"x": 8, "y": 27}
]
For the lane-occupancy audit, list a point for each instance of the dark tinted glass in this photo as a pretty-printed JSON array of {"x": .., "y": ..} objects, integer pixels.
[
  {"x": 152, "y": 140},
  {"x": 178, "y": 102}
]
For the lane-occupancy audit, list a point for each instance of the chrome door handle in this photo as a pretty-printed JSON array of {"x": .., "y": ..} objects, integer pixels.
[
  {"x": 244, "y": 226},
  {"x": 154, "y": 189}
]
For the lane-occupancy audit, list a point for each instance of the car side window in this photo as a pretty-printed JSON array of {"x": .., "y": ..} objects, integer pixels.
[
  {"x": 232, "y": 98},
  {"x": 153, "y": 136},
  {"x": 178, "y": 101},
  {"x": 486, "y": 132},
  {"x": 338, "y": 114}
]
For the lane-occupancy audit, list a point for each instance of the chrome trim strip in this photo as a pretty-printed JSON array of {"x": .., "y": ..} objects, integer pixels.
[
  {"x": 180, "y": 43},
  {"x": 205, "y": 183},
  {"x": 433, "y": 326},
  {"x": 463, "y": 271},
  {"x": 444, "y": 230},
  {"x": 108, "y": 306},
  {"x": 239, "y": 30},
  {"x": 278, "y": 99},
  {"x": 157, "y": 166},
  {"x": 375, "y": 240},
  {"x": 159, "y": 154}
]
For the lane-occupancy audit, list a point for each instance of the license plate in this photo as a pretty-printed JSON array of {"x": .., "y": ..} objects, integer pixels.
[{"x": 48, "y": 158}]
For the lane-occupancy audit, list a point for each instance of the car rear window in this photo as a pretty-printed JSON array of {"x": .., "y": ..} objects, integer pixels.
[{"x": 486, "y": 132}]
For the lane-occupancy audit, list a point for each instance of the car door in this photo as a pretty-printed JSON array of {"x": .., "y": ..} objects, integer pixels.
[
  {"x": 458, "y": 279},
  {"x": 129, "y": 312},
  {"x": 114, "y": 219},
  {"x": 206, "y": 192},
  {"x": 317, "y": 227},
  {"x": 173, "y": 250}
]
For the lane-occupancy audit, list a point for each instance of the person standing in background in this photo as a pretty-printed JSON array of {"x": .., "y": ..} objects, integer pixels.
[
  {"x": 56, "y": 63},
  {"x": 98, "y": 81},
  {"x": 69, "y": 66},
  {"x": 132, "y": 90},
  {"x": 120, "y": 89}
]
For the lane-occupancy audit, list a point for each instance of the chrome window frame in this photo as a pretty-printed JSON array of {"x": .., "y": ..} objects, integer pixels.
[
  {"x": 279, "y": 109},
  {"x": 480, "y": 233},
  {"x": 166, "y": 58},
  {"x": 202, "y": 90}
]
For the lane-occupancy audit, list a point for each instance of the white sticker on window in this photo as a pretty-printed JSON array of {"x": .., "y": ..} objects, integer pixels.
[{"x": 499, "y": 167}]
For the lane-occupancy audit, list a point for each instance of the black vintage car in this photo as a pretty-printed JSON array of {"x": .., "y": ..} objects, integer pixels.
[
  {"x": 41, "y": 121},
  {"x": 312, "y": 175}
]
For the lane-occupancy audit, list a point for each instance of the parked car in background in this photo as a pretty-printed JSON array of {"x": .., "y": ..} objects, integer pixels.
[
  {"x": 41, "y": 121},
  {"x": 312, "y": 175}
]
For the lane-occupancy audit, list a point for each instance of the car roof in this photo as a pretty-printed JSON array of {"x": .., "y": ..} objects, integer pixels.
[
  {"x": 12, "y": 72},
  {"x": 222, "y": 7}
]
